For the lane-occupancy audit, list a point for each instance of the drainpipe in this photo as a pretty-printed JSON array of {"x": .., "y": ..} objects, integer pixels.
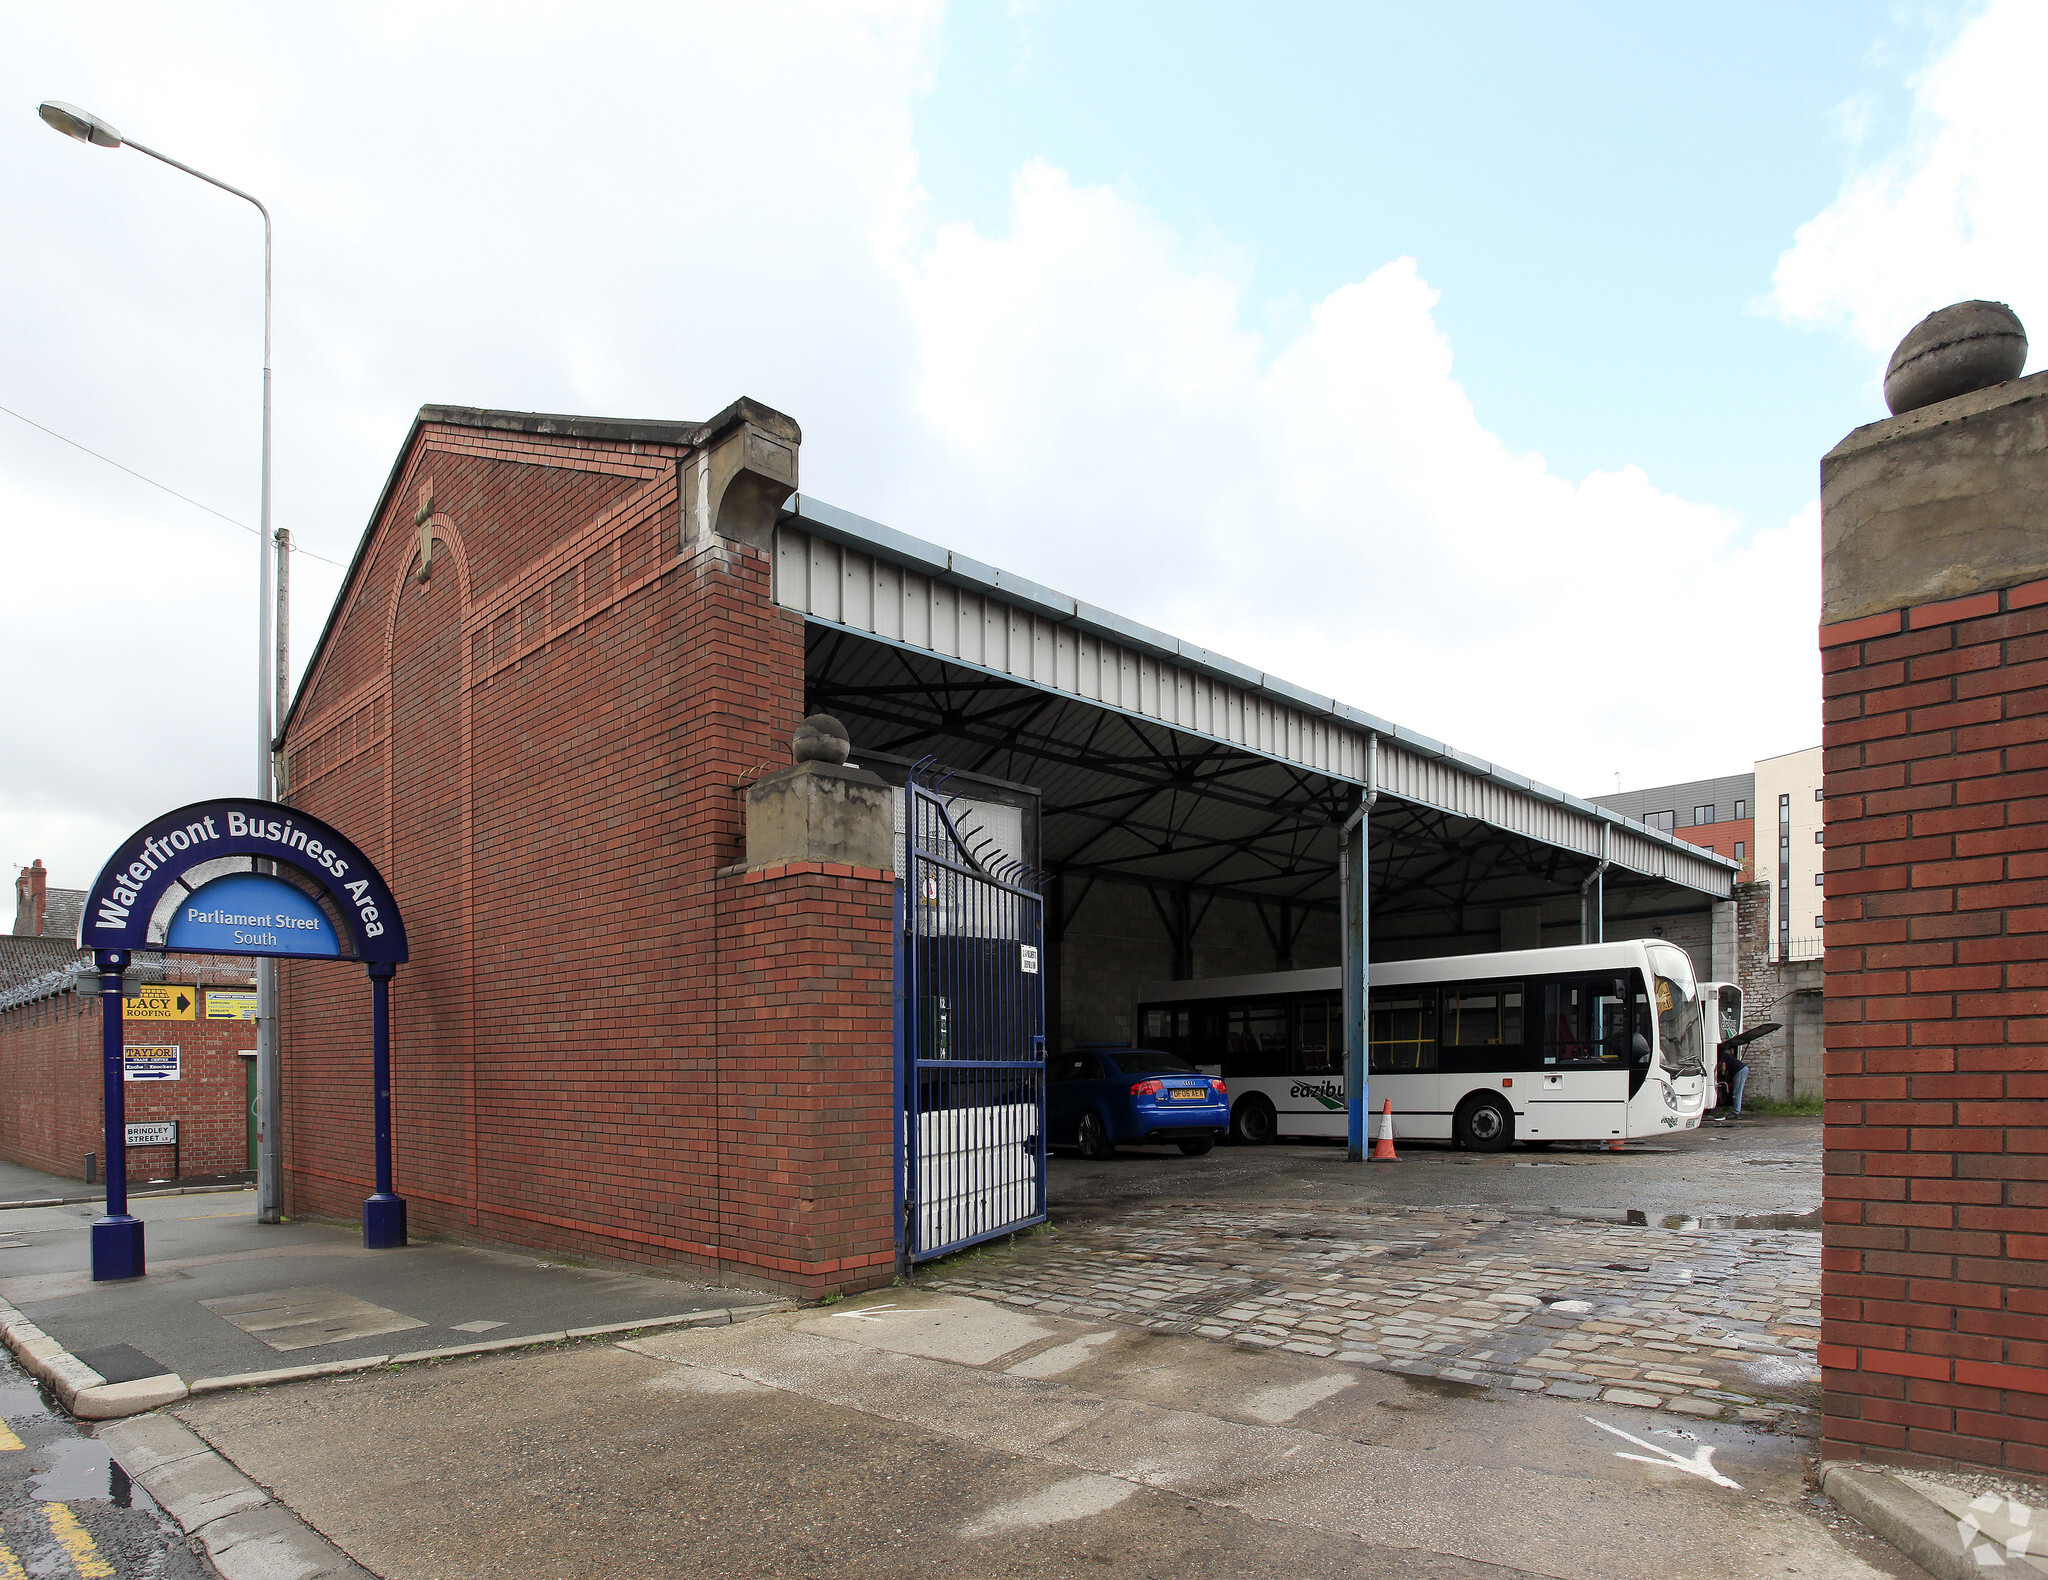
[
  {"x": 1356, "y": 915},
  {"x": 1593, "y": 895}
]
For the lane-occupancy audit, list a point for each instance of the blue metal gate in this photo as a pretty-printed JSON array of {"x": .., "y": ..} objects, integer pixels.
[{"x": 971, "y": 1038}]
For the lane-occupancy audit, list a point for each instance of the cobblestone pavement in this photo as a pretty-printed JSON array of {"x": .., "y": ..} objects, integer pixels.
[{"x": 1700, "y": 1321}]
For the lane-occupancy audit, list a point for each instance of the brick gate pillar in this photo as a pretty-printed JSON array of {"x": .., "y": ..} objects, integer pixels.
[{"x": 1935, "y": 651}]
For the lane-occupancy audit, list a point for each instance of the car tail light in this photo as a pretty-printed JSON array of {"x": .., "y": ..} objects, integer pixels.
[
  {"x": 1218, "y": 1087},
  {"x": 1147, "y": 1088}
]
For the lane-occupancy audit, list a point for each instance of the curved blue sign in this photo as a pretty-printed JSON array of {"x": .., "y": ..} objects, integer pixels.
[
  {"x": 125, "y": 897},
  {"x": 250, "y": 913}
]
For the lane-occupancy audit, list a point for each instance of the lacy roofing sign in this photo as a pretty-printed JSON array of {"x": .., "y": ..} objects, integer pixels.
[{"x": 185, "y": 883}]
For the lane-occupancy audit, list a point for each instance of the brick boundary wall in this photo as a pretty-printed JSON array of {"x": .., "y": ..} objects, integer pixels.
[
  {"x": 50, "y": 1110},
  {"x": 806, "y": 1076},
  {"x": 1935, "y": 1284}
]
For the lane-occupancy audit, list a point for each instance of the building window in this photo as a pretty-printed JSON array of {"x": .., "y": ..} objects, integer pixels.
[
  {"x": 1741, "y": 810},
  {"x": 1703, "y": 814},
  {"x": 1819, "y": 922},
  {"x": 1816, "y": 793},
  {"x": 1816, "y": 837},
  {"x": 1784, "y": 870},
  {"x": 1661, "y": 820},
  {"x": 1816, "y": 880},
  {"x": 1741, "y": 849}
]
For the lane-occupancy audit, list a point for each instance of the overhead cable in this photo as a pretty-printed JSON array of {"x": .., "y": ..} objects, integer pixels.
[{"x": 153, "y": 483}]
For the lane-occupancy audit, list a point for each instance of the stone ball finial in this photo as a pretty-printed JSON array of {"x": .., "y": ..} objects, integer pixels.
[
  {"x": 820, "y": 739},
  {"x": 1969, "y": 346}
]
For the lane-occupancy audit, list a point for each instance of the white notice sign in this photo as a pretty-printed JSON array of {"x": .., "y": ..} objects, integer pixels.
[
  {"x": 149, "y": 1064},
  {"x": 154, "y": 1133},
  {"x": 1027, "y": 957}
]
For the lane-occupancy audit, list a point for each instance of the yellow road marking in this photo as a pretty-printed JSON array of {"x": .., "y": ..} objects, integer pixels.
[
  {"x": 76, "y": 1540},
  {"x": 7, "y": 1440},
  {"x": 10, "y": 1566}
]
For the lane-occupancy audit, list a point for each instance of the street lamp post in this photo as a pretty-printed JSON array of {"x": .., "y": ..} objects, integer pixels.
[{"x": 89, "y": 128}]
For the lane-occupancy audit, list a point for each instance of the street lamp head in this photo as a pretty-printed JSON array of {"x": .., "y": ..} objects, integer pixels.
[{"x": 81, "y": 124}]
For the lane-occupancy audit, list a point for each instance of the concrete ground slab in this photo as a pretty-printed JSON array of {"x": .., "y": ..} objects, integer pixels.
[
  {"x": 771, "y": 1449},
  {"x": 941, "y": 1327},
  {"x": 20, "y": 1183},
  {"x": 307, "y": 1317},
  {"x": 209, "y": 1248}
]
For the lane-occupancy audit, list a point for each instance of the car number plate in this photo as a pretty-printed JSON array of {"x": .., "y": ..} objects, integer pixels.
[{"x": 1189, "y": 1094}]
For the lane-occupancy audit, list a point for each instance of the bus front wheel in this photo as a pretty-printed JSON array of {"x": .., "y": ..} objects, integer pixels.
[
  {"x": 1486, "y": 1124},
  {"x": 1253, "y": 1122}
]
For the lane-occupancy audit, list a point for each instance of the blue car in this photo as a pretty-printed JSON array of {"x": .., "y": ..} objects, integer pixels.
[{"x": 1096, "y": 1098}]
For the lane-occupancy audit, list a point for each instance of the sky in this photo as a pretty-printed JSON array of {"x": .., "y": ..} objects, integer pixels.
[{"x": 1472, "y": 365}]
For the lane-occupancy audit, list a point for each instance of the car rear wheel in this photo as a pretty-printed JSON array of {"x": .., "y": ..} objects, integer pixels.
[
  {"x": 1485, "y": 1124},
  {"x": 1195, "y": 1149},
  {"x": 1253, "y": 1122},
  {"x": 1092, "y": 1136}
]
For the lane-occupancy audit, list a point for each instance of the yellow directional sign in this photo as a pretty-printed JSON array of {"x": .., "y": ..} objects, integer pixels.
[
  {"x": 161, "y": 1001},
  {"x": 230, "y": 1003}
]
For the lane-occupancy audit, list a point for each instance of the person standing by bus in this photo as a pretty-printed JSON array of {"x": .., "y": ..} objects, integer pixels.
[{"x": 1733, "y": 1075}]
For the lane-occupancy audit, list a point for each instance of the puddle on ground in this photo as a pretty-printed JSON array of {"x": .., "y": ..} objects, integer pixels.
[
  {"x": 1640, "y": 1219},
  {"x": 1443, "y": 1387},
  {"x": 1754, "y": 1220},
  {"x": 74, "y": 1465},
  {"x": 80, "y": 1467}
]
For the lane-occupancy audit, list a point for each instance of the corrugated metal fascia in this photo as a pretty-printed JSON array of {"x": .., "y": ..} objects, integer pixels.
[{"x": 1148, "y": 675}]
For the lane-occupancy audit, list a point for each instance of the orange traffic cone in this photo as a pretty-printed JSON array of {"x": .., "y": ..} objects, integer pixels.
[{"x": 1383, "y": 1149}]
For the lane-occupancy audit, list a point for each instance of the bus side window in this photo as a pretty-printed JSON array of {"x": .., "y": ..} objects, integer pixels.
[
  {"x": 1483, "y": 1015},
  {"x": 1166, "y": 1029},
  {"x": 1624, "y": 1010},
  {"x": 1255, "y": 1040},
  {"x": 1401, "y": 1030},
  {"x": 1570, "y": 1036},
  {"x": 1318, "y": 1037},
  {"x": 1583, "y": 1021},
  {"x": 1611, "y": 1016}
]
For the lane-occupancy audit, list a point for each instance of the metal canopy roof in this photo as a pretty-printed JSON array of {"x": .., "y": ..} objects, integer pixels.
[{"x": 1165, "y": 764}]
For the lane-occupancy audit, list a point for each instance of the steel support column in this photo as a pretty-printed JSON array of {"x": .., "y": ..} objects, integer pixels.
[
  {"x": 383, "y": 1212},
  {"x": 116, "y": 1235},
  {"x": 1354, "y": 905}
]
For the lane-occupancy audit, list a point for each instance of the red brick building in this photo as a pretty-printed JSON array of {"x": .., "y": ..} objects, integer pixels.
[
  {"x": 564, "y": 652},
  {"x": 50, "y": 1077},
  {"x": 551, "y": 672},
  {"x": 1935, "y": 651}
]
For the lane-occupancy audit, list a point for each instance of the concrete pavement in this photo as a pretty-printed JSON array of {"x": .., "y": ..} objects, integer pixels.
[
  {"x": 20, "y": 1183},
  {"x": 226, "y": 1295},
  {"x": 927, "y": 1434},
  {"x": 977, "y": 1421}
]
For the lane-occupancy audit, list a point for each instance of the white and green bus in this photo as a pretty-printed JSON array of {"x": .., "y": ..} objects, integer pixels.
[{"x": 1592, "y": 1042}]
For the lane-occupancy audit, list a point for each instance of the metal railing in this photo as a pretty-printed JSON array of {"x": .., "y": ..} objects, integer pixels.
[{"x": 1790, "y": 949}]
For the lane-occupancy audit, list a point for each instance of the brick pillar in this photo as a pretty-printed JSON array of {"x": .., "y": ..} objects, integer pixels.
[
  {"x": 807, "y": 1090},
  {"x": 1935, "y": 651}
]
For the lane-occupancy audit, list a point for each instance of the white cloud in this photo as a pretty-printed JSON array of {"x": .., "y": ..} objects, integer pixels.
[
  {"x": 1953, "y": 213},
  {"x": 633, "y": 210},
  {"x": 652, "y": 216},
  {"x": 1332, "y": 508}
]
